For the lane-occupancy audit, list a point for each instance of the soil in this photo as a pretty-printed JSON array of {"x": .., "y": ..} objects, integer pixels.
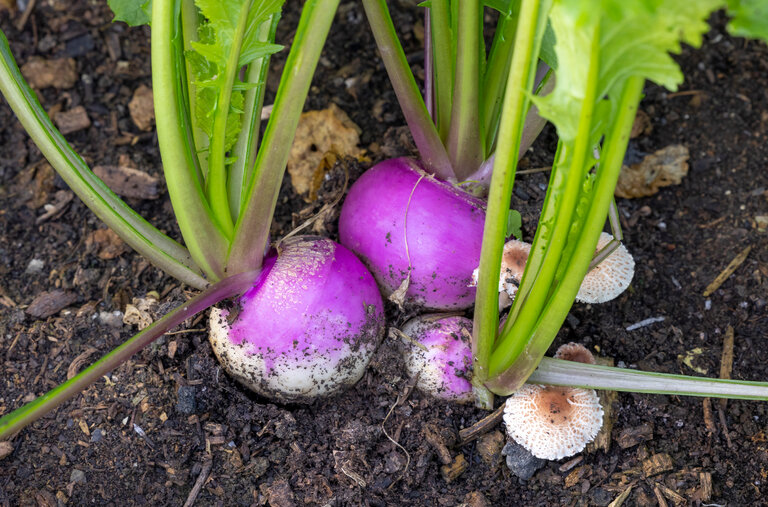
[{"x": 170, "y": 425}]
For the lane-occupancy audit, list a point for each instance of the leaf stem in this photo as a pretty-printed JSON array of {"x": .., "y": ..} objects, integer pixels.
[
  {"x": 520, "y": 79},
  {"x": 206, "y": 241},
  {"x": 21, "y": 417},
  {"x": 465, "y": 137},
  {"x": 515, "y": 369},
  {"x": 158, "y": 248},
  {"x": 218, "y": 196},
  {"x": 444, "y": 64},
  {"x": 422, "y": 129},
  {"x": 252, "y": 228},
  {"x": 557, "y": 372}
]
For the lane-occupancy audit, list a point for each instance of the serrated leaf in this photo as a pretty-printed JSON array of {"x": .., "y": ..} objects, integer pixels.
[
  {"x": 750, "y": 18},
  {"x": 210, "y": 56},
  {"x": 132, "y": 12}
]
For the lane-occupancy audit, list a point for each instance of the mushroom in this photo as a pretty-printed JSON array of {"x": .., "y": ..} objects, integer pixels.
[
  {"x": 602, "y": 283},
  {"x": 555, "y": 422},
  {"x": 610, "y": 277}
]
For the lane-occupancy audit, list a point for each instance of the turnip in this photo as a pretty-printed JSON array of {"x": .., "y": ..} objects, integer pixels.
[
  {"x": 308, "y": 326},
  {"x": 439, "y": 355},
  {"x": 416, "y": 231}
]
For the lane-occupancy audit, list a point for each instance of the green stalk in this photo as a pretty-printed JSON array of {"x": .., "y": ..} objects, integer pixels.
[
  {"x": 26, "y": 414},
  {"x": 513, "y": 369},
  {"x": 497, "y": 70},
  {"x": 252, "y": 229},
  {"x": 553, "y": 231},
  {"x": 206, "y": 241},
  {"x": 158, "y": 248},
  {"x": 420, "y": 124},
  {"x": 247, "y": 144},
  {"x": 444, "y": 64},
  {"x": 557, "y": 372},
  {"x": 190, "y": 21},
  {"x": 486, "y": 319},
  {"x": 218, "y": 197},
  {"x": 465, "y": 137}
]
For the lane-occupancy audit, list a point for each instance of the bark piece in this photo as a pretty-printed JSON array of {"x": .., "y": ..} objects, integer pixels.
[
  {"x": 665, "y": 167},
  {"x": 73, "y": 120},
  {"x": 128, "y": 182},
  {"x": 60, "y": 73},
  {"x": 50, "y": 303},
  {"x": 142, "y": 108}
]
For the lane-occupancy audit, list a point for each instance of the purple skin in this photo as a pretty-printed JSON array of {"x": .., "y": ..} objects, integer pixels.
[
  {"x": 307, "y": 328},
  {"x": 445, "y": 367},
  {"x": 445, "y": 231}
]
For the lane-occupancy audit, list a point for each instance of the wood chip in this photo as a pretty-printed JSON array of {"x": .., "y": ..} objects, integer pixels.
[
  {"x": 482, "y": 426},
  {"x": 727, "y": 272},
  {"x": 665, "y": 167},
  {"x": 50, "y": 303},
  {"x": 6, "y": 448},
  {"x": 631, "y": 437},
  {"x": 129, "y": 182},
  {"x": 434, "y": 436},
  {"x": 659, "y": 496},
  {"x": 671, "y": 495},
  {"x": 709, "y": 421},
  {"x": 141, "y": 107},
  {"x": 489, "y": 448},
  {"x": 656, "y": 464},
  {"x": 452, "y": 471},
  {"x": 623, "y": 496},
  {"x": 73, "y": 120},
  {"x": 41, "y": 73},
  {"x": 726, "y": 360},
  {"x": 79, "y": 362}
]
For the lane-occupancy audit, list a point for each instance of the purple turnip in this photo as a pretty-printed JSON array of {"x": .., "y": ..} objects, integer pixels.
[
  {"x": 439, "y": 352},
  {"x": 415, "y": 231},
  {"x": 307, "y": 328}
]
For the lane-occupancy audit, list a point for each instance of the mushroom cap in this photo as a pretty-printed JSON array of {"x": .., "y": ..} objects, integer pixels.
[
  {"x": 575, "y": 352},
  {"x": 609, "y": 278},
  {"x": 513, "y": 260},
  {"x": 553, "y": 422}
]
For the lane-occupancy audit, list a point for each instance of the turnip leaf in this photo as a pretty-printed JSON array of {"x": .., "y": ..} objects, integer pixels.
[{"x": 132, "y": 12}]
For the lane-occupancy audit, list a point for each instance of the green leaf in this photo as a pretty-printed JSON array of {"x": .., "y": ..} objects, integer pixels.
[
  {"x": 750, "y": 18},
  {"x": 503, "y": 6},
  {"x": 132, "y": 12},
  {"x": 635, "y": 39},
  {"x": 210, "y": 57},
  {"x": 514, "y": 224}
]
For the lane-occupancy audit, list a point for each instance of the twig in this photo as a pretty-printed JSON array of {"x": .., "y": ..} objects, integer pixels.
[
  {"x": 725, "y": 427},
  {"x": 25, "y": 16},
  {"x": 400, "y": 399},
  {"x": 644, "y": 323},
  {"x": 728, "y": 271},
  {"x": 726, "y": 360},
  {"x": 481, "y": 427},
  {"x": 199, "y": 483},
  {"x": 709, "y": 421}
]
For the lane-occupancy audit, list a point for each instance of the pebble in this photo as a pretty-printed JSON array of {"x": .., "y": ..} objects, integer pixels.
[
  {"x": 41, "y": 73},
  {"x": 73, "y": 120},
  {"x": 185, "y": 402},
  {"x": 141, "y": 108},
  {"x": 129, "y": 182},
  {"x": 97, "y": 435},
  {"x": 34, "y": 266},
  {"x": 521, "y": 462},
  {"x": 111, "y": 319},
  {"x": 77, "y": 476}
]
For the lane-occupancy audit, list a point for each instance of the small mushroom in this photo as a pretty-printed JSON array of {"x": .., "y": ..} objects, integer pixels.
[
  {"x": 610, "y": 278},
  {"x": 602, "y": 283},
  {"x": 555, "y": 422}
]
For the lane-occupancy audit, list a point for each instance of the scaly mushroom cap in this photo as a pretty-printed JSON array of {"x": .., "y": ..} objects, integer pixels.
[
  {"x": 609, "y": 278},
  {"x": 575, "y": 352},
  {"x": 513, "y": 261},
  {"x": 553, "y": 422}
]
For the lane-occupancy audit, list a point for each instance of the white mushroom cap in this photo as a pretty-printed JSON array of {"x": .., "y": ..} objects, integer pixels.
[
  {"x": 575, "y": 352},
  {"x": 553, "y": 422},
  {"x": 513, "y": 261},
  {"x": 609, "y": 278}
]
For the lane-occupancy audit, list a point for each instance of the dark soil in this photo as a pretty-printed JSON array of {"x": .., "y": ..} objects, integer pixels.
[{"x": 170, "y": 418}]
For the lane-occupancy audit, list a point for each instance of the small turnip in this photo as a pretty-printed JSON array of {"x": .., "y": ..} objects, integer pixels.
[
  {"x": 440, "y": 354},
  {"x": 307, "y": 328}
]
